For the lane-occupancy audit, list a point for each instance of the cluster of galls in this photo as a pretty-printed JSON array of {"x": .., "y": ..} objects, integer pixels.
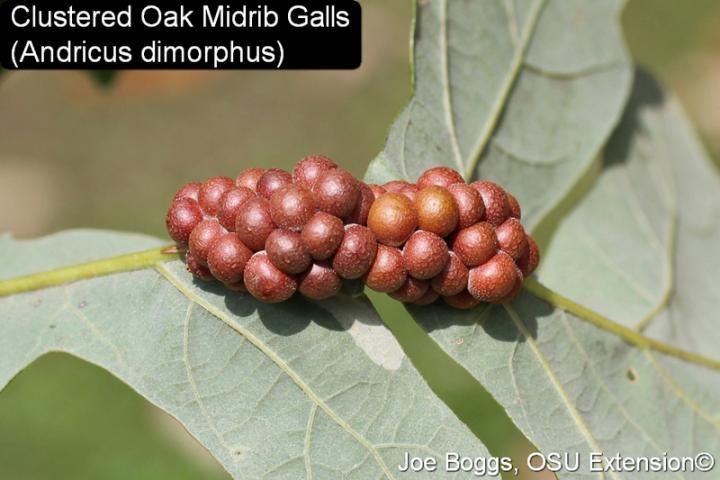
[{"x": 319, "y": 230}]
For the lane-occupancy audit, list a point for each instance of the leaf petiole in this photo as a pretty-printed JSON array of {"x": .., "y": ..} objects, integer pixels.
[
  {"x": 82, "y": 271},
  {"x": 155, "y": 256},
  {"x": 631, "y": 336}
]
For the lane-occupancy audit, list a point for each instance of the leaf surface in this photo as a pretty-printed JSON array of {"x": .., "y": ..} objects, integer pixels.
[
  {"x": 521, "y": 92},
  {"x": 296, "y": 390},
  {"x": 572, "y": 387}
]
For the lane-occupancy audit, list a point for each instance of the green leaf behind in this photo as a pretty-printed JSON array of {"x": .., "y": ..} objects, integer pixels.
[
  {"x": 572, "y": 387},
  {"x": 296, "y": 390},
  {"x": 521, "y": 92}
]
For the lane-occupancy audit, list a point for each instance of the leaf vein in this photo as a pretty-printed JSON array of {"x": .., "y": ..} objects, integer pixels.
[
  {"x": 260, "y": 345},
  {"x": 569, "y": 406}
]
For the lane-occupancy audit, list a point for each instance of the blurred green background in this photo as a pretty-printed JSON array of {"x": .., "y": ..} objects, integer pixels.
[{"x": 75, "y": 155}]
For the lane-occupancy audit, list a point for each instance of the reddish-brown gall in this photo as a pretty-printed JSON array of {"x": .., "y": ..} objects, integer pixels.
[
  {"x": 452, "y": 279},
  {"x": 320, "y": 282},
  {"x": 476, "y": 244},
  {"x": 322, "y": 235},
  {"x": 337, "y": 192},
  {"x": 189, "y": 190},
  {"x": 395, "y": 185},
  {"x": 182, "y": 217},
  {"x": 360, "y": 214},
  {"x": 227, "y": 258},
  {"x": 356, "y": 253},
  {"x": 425, "y": 255},
  {"x": 266, "y": 282},
  {"x": 230, "y": 205},
  {"x": 199, "y": 271},
  {"x": 512, "y": 238},
  {"x": 387, "y": 273},
  {"x": 439, "y": 177},
  {"x": 515, "y": 290},
  {"x": 254, "y": 223},
  {"x": 291, "y": 207},
  {"x": 249, "y": 178},
  {"x": 392, "y": 219},
  {"x": 529, "y": 262},
  {"x": 497, "y": 207},
  {"x": 309, "y": 169},
  {"x": 411, "y": 192},
  {"x": 494, "y": 279},
  {"x": 377, "y": 190},
  {"x": 411, "y": 291},
  {"x": 211, "y": 192},
  {"x": 202, "y": 238},
  {"x": 429, "y": 297},
  {"x": 470, "y": 205},
  {"x": 272, "y": 181},
  {"x": 515, "y": 210},
  {"x": 462, "y": 301},
  {"x": 286, "y": 251},
  {"x": 437, "y": 211}
]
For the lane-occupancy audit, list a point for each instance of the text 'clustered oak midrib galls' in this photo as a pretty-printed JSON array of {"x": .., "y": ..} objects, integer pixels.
[{"x": 271, "y": 234}]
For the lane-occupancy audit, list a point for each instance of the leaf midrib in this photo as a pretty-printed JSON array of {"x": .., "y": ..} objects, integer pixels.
[
  {"x": 498, "y": 106},
  {"x": 279, "y": 362}
]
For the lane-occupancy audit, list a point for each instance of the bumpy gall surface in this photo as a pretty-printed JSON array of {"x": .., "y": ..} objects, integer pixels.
[
  {"x": 429, "y": 297},
  {"x": 395, "y": 185},
  {"x": 202, "y": 237},
  {"x": 392, "y": 219},
  {"x": 411, "y": 291},
  {"x": 512, "y": 238},
  {"x": 462, "y": 301},
  {"x": 337, "y": 192},
  {"x": 266, "y": 282},
  {"x": 439, "y": 177},
  {"x": 356, "y": 253},
  {"x": 377, "y": 190},
  {"x": 471, "y": 209},
  {"x": 190, "y": 190},
  {"x": 452, "y": 279},
  {"x": 254, "y": 223},
  {"x": 211, "y": 192},
  {"x": 494, "y": 279},
  {"x": 309, "y": 169},
  {"x": 515, "y": 290},
  {"x": 199, "y": 271},
  {"x": 476, "y": 244},
  {"x": 437, "y": 211},
  {"x": 411, "y": 192},
  {"x": 425, "y": 255},
  {"x": 291, "y": 207},
  {"x": 182, "y": 217},
  {"x": 230, "y": 205},
  {"x": 227, "y": 258},
  {"x": 320, "y": 282},
  {"x": 497, "y": 207},
  {"x": 388, "y": 272},
  {"x": 360, "y": 214},
  {"x": 322, "y": 235},
  {"x": 529, "y": 262},
  {"x": 272, "y": 181},
  {"x": 249, "y": 178},
  {"x": 286, "y": 251},
  {"x": 515, "y": 210}
]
